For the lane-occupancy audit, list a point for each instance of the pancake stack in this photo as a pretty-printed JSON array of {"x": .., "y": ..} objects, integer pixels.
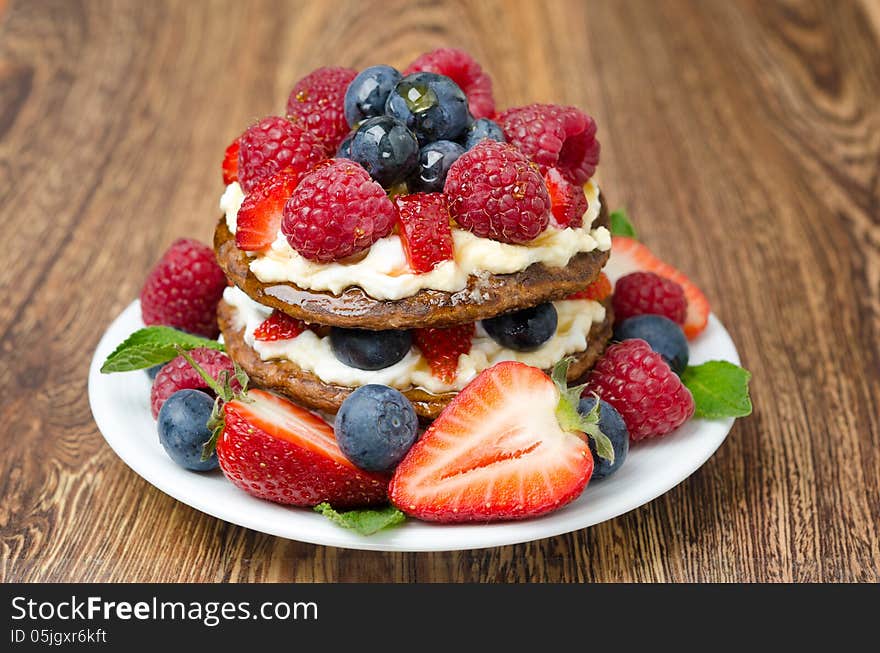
[{"x": 485, "y": 296}]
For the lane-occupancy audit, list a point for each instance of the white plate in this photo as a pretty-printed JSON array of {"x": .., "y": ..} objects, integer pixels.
[{"x": 121, "y": 406}]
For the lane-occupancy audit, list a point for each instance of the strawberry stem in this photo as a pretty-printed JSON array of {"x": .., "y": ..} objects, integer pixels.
[
  {"x": 568, "y": 416},
  {"x": 222, "y": 388},
  {"x": 215, "y": 424}
]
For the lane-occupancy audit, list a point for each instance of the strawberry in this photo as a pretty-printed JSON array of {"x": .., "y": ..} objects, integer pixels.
[
  {"x": 279, "y": 326},
  {"x": 568, "y": 202},
  {"x": 259, "y": 218},
  {"x": 230, "y": 162},
  {"x": 629, "y": 255},
  {"x": 598, "y": 291},
  {"x": 423, "y": 225},
  {"x": 275, "y": 450},
  {"x": 511, "y": 445},
  {"x": 442, "y": 347}
]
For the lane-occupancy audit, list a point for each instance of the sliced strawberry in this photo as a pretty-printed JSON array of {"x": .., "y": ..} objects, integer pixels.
[
  {"x": 598, "y": 291},
  {"x": 259, "y": 218},
  {"x": 629, "y": 255},
  {"x": 279, "y": 326},
  {"x": 273, "y": 449},
  {"x": 423, "y": 225},
  {"x": 442, "y": 347},
  {"x": 230, "y": 162},
  {"x": 568, "y": 202},
  {"x": 496, "y": 452}
]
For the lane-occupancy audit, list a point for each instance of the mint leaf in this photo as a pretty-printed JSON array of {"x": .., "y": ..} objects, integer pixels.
[
  {"x": 621, "y": 225},
  {"x": 720, "y": 389},
  {"x": 365, "y": 522},
  {"x": 152, "y": 346}
]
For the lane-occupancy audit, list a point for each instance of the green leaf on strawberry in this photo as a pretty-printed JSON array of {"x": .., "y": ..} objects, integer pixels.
[
  {"x": 365, "y": 521},
  {"x": 567, "y": 411},
  {"x": 152, "y": 346},
  {"x": 621, "y": 224},
  {"x": 719, "y": 388}
]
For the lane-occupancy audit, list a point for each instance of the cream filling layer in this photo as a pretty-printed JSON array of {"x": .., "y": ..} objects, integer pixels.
[{"x": 314, "y": 354}]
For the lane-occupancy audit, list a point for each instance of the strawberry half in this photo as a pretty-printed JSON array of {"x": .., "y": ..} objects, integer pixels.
[
  {"x": 259, "y": 218},
  {"x": 279, "y": 326},
  {"x": 629, "y": 255},
  {"x": 568, "y": 202},
  {"x": 511, "y": 445},
  {"x": 423, "y": 226},
  {"x": 442, "y": 347},
  {"x": 230, "y": 162},
  {"x": 598, "y": 291},
  {"x": 275, "y": 450}
]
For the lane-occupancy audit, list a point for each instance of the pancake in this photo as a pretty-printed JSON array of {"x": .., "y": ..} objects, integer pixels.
[
  {"x": 287, "y": 378},
  {"x": 485, "y": 296}
]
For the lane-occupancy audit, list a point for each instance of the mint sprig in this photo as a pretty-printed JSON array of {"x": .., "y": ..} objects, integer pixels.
[
  {"x": 720, "y": 389},
  {"x": 366, "y": 521},
  {"x": 567, "y": 411},
  {"x": 152, "y": 346},
  {"x": 621, "y": 224}
]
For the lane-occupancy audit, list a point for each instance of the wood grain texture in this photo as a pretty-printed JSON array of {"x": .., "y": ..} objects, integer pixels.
[{"x": 744, "y": 138}]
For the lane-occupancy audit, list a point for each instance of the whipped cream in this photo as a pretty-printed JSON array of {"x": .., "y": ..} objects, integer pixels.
[
  {"x": 384, "y": 274},
  {"x": 314, "y": 354}
]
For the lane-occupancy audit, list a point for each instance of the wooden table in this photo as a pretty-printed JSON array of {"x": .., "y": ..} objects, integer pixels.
[{"x": 744, "y": 138}]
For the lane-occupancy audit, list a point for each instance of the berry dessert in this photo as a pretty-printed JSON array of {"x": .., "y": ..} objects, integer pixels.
[
  {"x": 414, "y": 239},
  {"x": 395, "y": 254}
]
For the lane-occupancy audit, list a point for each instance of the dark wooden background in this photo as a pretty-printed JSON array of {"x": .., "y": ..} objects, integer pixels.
[{"x": 744, "y": 138}]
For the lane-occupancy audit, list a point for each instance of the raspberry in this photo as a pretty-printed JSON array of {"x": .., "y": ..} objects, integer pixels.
[
  {"x": 184, "y": 288},
  {"x": 317, "y": 102},
  {"x": 279, "y": 326},
  {"x": 568, "y": 201},
  {"x": 637, "y": 381},
  {"x": 647, "y": 293},
  {"x": 599, "y": 290},
  {"x": 230, "y": 162},
  {"x": 336, "y": 211},
  {"x": 272, "y": 144},
  {"x": 554, "y": 136},
  {"x": 464, "y": 71},
  {"x": 178, "y": 374},
  {"x": 442, "y": 347},
  {"x": 423, "y": 225},
  {"x": 493, "y": 191}
]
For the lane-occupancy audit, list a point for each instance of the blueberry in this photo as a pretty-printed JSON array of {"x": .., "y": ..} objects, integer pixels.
[
  {"x": 431, "y": 105},
  {"x": 662, "y": 334},
  {"x": 386, "y": 148},
  {"x": 524, "y": 330},
  {"x": 368, "y": 92},
  {"x": 153, "y": 371},
  {"x": 369, "y": 350},
  {"x": 182, "y": 429},
  {"x": 612, "y": 425},
  {"x": 434, "y": 161},
  {"x": 483, "y": 128},
  {"x": 344, "y": 149},
  {"x": 375, "y": 427}
]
